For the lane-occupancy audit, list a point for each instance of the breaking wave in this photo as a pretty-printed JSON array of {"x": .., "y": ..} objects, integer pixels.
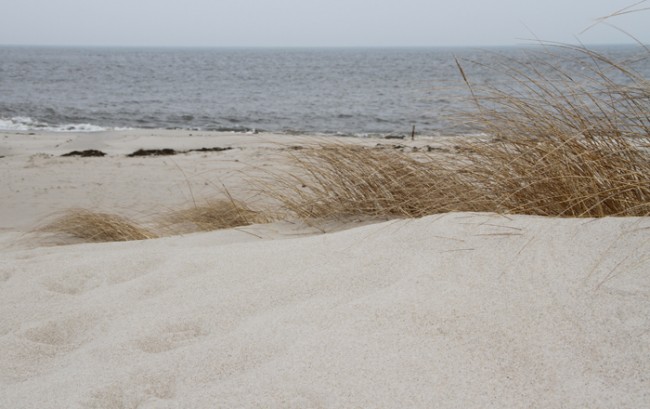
[{"x": 22, "y": 123}]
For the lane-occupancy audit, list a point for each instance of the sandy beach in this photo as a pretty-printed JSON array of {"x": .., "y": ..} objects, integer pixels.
[{"x": 456, "y": 310}]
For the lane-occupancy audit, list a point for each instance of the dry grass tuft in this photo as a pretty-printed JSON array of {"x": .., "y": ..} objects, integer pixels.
[
  {"x": 83, "y": 225},
  {"x": 567, "y": 143},
  {"x": 89, "y": 226},
  {"x": 335, "y": 180},
  {"x": 563, "y": 175},
  {"x": 214, "y": 215}
]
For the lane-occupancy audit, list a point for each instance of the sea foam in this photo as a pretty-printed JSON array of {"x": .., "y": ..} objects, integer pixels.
[{"x": 22, "y": 123}]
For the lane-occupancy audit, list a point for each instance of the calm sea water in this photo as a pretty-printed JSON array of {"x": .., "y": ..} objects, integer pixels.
[{"x": 343, "y": 91}]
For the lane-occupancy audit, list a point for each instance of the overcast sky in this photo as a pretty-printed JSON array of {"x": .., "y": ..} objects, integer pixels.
[{"x": 313, "y": 22}]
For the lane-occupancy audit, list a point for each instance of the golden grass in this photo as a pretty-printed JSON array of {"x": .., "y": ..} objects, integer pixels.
[
  {"x": 567, "y": 143},
  {"x": 563, "y": 175},
  {"x": 214, "y": 215},
  {"x": 337, "y": 180},
  {"x": 89, "y": 226}
]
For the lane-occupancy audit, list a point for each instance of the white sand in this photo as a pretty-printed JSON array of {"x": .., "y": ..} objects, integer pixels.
[{"x": 449, "y": 311}]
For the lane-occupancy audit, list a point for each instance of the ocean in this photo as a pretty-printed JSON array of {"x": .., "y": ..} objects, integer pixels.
[{"x": 343, "y": 91}]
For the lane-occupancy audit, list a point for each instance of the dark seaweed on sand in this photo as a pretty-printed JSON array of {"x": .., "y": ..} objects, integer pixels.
[
  {"x": 153, "y": 152},
  {"x": 86, "y": 153},
  {"x": 215, "y": 149},
  {"x": 168, "y": 151}
]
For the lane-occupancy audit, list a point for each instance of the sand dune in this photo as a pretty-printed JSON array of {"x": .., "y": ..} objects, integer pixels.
[{"x": 450, "y": 311}]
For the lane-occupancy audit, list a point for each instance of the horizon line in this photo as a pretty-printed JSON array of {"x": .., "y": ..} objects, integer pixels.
[{"x": 205, "y": 47}]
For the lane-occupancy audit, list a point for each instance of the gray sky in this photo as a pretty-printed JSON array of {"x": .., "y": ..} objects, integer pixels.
[{"x": 313, "y": 22}]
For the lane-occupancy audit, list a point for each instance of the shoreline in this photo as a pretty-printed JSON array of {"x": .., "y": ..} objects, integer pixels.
[
  {"x": 190, "y": 139},
  {"x": 98, "y": 129}
]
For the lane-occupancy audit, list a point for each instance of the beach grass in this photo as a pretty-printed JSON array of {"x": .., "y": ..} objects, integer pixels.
[
  {"x": 339, "y": 180},
  {"x": 564, "y": 143},
  {"x": 213, "y": 215},
  {"x": 90, "y": 226}
]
